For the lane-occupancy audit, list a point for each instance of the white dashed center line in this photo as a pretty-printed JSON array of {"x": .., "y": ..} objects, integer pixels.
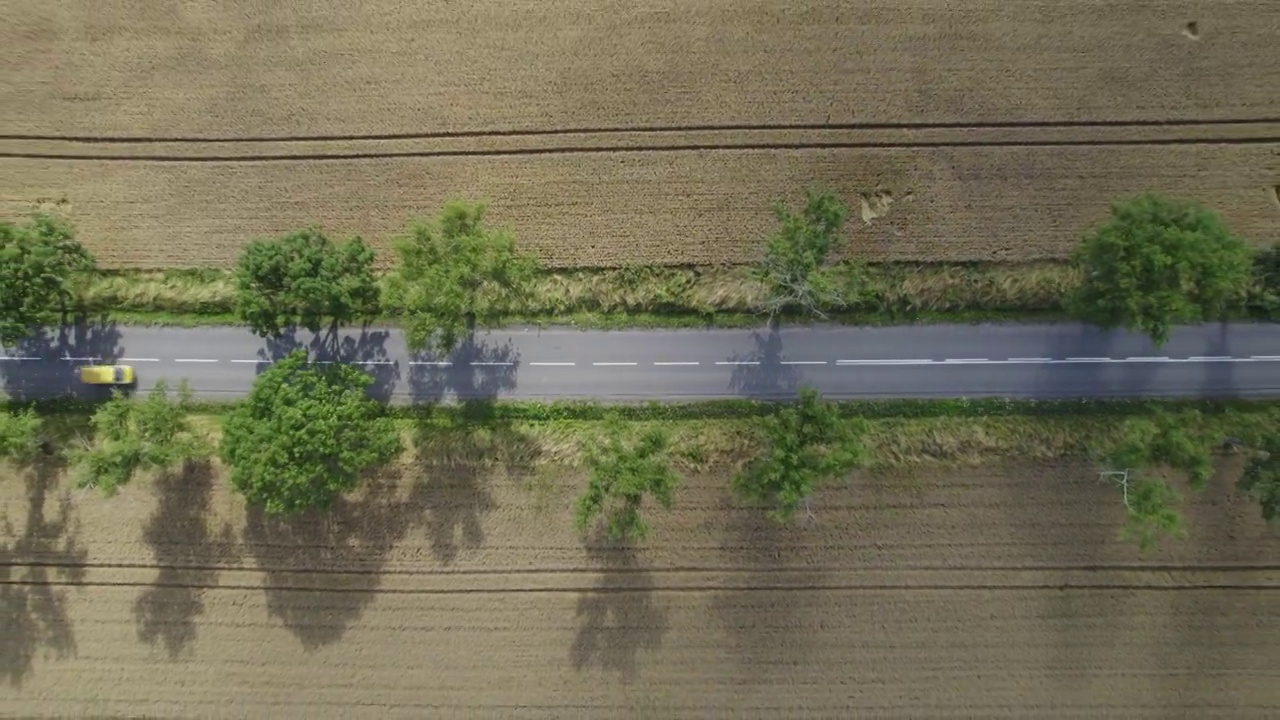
[
  {"x": 1030, "y": 360},
  {"x": 1143, "y": 358},
  {"x": 552, "y": 364},
  {"x": 669, "y": 363},
  {"x": 737, "y": 362},
  {"x": 1210, "y": 358},
  {"x": 804, "y": 362},
  {"x": 966, "y": 360},
  {"x": 1271, "y": 358},
  {"x": 434, "y": 364},
  {"x": 494, "y": 364},
  {"x": 79, "y": 359},
  {"x": 252, "y": 362},
  {"x": 614, "y": 364},
  {"x": 139, "y": 359},
  {"x": 195, "y": 360},
  {"x": 18, "y": 358}
]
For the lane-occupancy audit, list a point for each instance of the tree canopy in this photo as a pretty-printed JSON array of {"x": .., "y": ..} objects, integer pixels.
[
  {"x": 622, "y": 475},
  {"x": 1143, "y": 446},
  {"x": 1158, "y": 263},
  {"x": 794, "y": 256},
  {"x": 1261, "y": 478},
  {"x": 455, "y": 274},
  {"x": 304, "y": 279},
  {"x": 19, "y": 435},
  {"x": 304, "y": 435},
  {"x": 132, "y": 436},
  {"x": 806, "y": 445},
  {"x": 38, "y": 261}
]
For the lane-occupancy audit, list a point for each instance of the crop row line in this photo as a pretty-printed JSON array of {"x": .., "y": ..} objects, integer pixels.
[
  {"x": 653, "y": 129},
  {"x": 589, "y": 150}
]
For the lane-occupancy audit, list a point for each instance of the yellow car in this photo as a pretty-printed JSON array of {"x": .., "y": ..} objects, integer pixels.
[{"x": 106, "y": 375}]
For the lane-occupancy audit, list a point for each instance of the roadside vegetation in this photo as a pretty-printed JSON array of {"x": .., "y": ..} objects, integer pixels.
[
  {"x": 303, "y": 440},
  {"x": 1157, "y": 262}
]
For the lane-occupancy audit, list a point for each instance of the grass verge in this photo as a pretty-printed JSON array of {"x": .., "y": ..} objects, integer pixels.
[
  {"x": 655, "y": 297},
  {"x": 903, "y": 434}
]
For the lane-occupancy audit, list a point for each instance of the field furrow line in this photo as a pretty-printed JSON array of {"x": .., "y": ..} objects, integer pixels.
[{"x": 709, "y": 139}]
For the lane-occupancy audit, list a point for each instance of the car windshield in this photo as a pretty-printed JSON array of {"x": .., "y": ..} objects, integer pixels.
[{"x": 119, "y": 374}]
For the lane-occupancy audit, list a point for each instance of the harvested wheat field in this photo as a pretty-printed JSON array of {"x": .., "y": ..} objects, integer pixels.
[
  {"x": 609, "y": 134},
  {"x": 990, "y": 592},
  {"x": 668, "y": 208}
]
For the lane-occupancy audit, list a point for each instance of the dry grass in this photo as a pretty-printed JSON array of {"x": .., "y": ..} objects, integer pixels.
[
  {"x": 889, "y": 288},
  {"x": 241, "y": 69}
]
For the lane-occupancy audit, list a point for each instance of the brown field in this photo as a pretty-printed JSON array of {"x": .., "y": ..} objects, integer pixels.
[
  {"x": 608, "y": 134},
  {"x": 668, "y": 207},
  {"x": 248, "y": 69},
  {"x": 990, "y": 592}
]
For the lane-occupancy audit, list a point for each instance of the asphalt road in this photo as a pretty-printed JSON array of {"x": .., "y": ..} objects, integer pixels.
[{"x": 927, "y": 361}]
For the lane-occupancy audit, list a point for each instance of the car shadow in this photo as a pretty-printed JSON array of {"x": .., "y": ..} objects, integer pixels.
[
  {"x": 365, "y": 349},
  {"x": 762, "y": 376},
  {"x": 189, "y": 554},
  {"x": 618, "y": 617},
  {"x": 47, "y": 364}
]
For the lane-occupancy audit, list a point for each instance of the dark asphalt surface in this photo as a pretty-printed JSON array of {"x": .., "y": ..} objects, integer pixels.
[{"x": 925, "y": 361}]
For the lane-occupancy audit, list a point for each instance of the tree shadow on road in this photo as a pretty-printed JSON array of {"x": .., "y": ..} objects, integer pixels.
[
  {"x": 189, "y": 554},
  {"x": 457, "y": 449},
  {"x": 618, "y": 617},
  {"x": 768, "y": 378},
  {"x": 367, "y": 351},
  {"x": 36, "y": 565},
  {"x": 477, "y": 370},
  {"x": 323, "y": 567},
  {"x": 48, "y": 372}
]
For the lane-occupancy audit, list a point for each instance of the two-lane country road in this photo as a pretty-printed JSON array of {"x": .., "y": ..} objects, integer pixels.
[{"x": 924, "y": 361}]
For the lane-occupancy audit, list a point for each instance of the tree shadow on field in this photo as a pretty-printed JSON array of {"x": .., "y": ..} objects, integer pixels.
[
  {"x": 35, "y": 567},
  {"x": 619, "y": 617},
  {"x": 476, "y": 370},
  {"x": 366, "y": 350},
  {"x": 323, "y": 567},
  {"x": 768, "y": 379},
  {"x": 189, "y": 554},
  {"x": 766, "y": 632},
  {"x": 52, "y": 358},
  {"x": 457, "y": 448}
]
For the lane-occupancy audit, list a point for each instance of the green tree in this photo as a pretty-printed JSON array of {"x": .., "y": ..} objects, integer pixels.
[
  {"x": 304, "y": 435},
  {"x": 1158, "y": 263},
  {"x": 38, "y": 263},
  {"x": 622, "y": 475},
  {"x": 1261, "y": 479},
  {"x": 455, "y": 274},
  {"x": 807, "y": 444},
  {"x": 792, "y": 269},
  {"x": 19, "y": 435},
  {"x": 1144, "y": 446},
  {"x": 303, "y": 279},
  {"x": 1265, "y": 298},
  {"x": 132, "y": 436}
]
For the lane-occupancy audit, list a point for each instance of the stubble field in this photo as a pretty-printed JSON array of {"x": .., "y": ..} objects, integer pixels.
[
  {"x": 614, "y": 134},
  {"x": 992, "y": 591}
]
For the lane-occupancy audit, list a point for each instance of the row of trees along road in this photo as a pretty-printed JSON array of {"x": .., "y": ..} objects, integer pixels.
[
  {"x": 309, "y": 433},
  {"x": 1154, "y": 264}
]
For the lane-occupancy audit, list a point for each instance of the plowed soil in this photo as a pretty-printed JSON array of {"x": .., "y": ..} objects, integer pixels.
[
  {"x": 611, "y": 134},
  {"x": 992, "y": 592}
]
